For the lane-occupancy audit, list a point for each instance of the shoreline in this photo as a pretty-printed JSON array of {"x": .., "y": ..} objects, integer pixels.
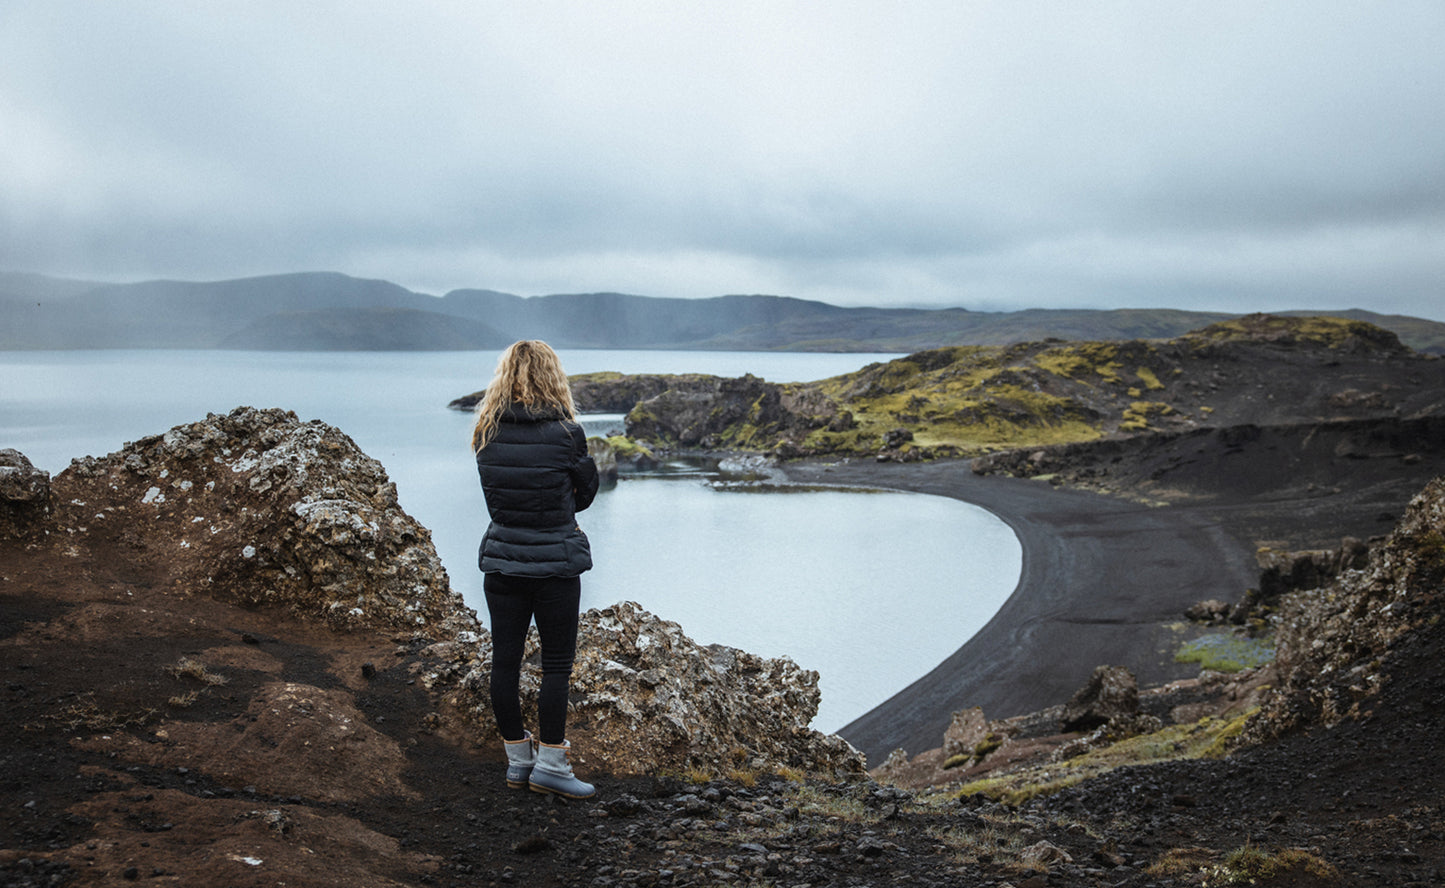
[{"x": 1103, "y": 581}]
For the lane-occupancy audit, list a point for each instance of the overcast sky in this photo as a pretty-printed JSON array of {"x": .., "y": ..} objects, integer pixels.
[{"x": 1233, "y": 156}]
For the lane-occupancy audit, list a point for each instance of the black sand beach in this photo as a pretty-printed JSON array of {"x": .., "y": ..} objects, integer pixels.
[{"x": 1104, "y": 581}]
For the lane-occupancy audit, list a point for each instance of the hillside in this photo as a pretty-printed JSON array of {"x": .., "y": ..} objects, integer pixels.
[
  {"x": 972, "y": 400},
  {"x": 38, "y": 312},
  {"x": 365, "y": 329}
]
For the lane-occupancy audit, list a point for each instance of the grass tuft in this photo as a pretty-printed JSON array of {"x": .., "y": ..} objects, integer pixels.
[
  {"x": 184, "y": 701},
  {"x": 744, "y": 777},
  {"x": 197, "y": 671},
  {"x": 792, "y": 775},
  {"x": 697, "y": 774},
  {"x": 1252, "y": 866}
]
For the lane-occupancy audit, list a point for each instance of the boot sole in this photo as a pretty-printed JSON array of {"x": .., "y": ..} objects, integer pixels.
[{"x": 544, "y": 790}]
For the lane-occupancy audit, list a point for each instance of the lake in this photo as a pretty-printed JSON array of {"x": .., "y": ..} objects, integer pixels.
[{"x": 870, "y": 589}]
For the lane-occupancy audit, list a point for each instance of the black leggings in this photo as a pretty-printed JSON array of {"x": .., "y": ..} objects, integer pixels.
[{"x": 513, "y": 602}]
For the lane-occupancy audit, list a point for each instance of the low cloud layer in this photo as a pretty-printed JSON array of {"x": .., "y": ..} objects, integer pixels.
[{"x": 1231, "y": 156}]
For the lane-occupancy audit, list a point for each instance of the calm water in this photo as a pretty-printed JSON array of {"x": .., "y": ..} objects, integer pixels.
[{"x": 870, "y": 589}]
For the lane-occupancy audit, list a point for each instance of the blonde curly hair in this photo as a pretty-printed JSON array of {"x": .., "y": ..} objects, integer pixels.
[{"x": 529, "y": 373}]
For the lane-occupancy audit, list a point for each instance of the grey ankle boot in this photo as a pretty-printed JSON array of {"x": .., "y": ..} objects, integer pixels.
[
  {"x": 553, "y": 773},
  {"x": 521, "y": 756}
]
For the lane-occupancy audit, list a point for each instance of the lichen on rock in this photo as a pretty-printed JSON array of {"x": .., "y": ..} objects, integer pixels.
[
  {"x": 1333, "y": 641},
  {"x": 24, "y": 494},
  {"x": 647, "y": 699},
  {"x": 258, "y": 507}
]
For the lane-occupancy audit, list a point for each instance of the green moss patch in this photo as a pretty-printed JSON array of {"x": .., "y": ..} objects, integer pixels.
[
  {"x": 1226, "y": 652},
  {"x": 1207, "y": 738},
  {"x": 626, "y": 448},
  {"x": 1327, "y": 331},
  {"x": 1147, "y": 377}
]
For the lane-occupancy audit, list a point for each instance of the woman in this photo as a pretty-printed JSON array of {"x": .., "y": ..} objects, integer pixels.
[{"x": 536, "y": 474}]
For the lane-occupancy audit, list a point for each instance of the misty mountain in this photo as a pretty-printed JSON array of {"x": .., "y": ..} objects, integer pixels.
[
  {"x": 365, "y": 329},
  {"x": 327, "y": 310},
  {"x": 616, "y": 320},
  {"x": 180, "y": 314},
  {"x": 18, "y": 285}
]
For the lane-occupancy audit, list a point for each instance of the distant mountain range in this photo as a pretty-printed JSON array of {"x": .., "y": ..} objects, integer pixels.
[{"x": 331, "y": 311}]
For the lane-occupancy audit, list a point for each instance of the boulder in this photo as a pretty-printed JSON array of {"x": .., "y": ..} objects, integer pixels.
[
  {"x": 24, "y": 494},
  {"x": 896, "y": 438},
  {"x": 262, "y": 509},
  {"x": 965, "y": 732},
  {"x": 1210, "y": 611},
  {"x": 970, "y": 738},
  {"x": 746, "y": 413},
  {"x": 619, "y": 393},
  {"x": 646, "y": 699},
  {"x": 1112, "y": 692},
  {"x": 605, "y": 456}
]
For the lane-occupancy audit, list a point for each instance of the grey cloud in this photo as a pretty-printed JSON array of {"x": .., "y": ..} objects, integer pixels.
[{"x": 1088, "y": 154}]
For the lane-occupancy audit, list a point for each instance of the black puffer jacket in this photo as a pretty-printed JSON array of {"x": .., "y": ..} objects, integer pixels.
[{"x": 536, "y": 475}]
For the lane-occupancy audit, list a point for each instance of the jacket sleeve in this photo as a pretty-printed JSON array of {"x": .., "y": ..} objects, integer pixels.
[{"x": 584, "y": 470}]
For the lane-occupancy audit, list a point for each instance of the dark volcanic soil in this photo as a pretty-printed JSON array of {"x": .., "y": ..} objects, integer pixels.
[
  {"x": 315, "y": 763},
  {"x": 305, "y": 768}
]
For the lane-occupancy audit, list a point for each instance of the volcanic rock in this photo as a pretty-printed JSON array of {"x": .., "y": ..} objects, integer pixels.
[
  {"x": 746, "y": 413},
  {"x": 1111, "y": 693},
  {"x": 646, "y": 697},
  {"x": 605, "y": 457},
  {"x": 260, "y": 508},
  {"x": 1210, "y": 611},
  {"x": 609, "y": 392},
  {"x": 1331, "y": 639},
  {"x": 24, "y": 494},
  {"x": 619, "y": 393},
  {"x": 965, "y": 732}
]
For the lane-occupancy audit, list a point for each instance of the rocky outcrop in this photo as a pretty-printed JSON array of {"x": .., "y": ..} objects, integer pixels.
[
  {"x": 1343, "y": 334},
  {"x": 1334, "y": 641},
  {"x": 260, "y": 509},
  {"x": 647, "y": 698},
  {"x": 971, "y": 737},
  {"x": 605, "y": 456},
  {"x": 746, "y": 413},
  {"x": 619, "y": 393},
  {"x": 1282, "y": 572},
  {"x": 24, "y": 494},
  {"x": 1110, "y": 693},
  {"x": 616, "y": 454},
  {"x": 610, "y": 392}
]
